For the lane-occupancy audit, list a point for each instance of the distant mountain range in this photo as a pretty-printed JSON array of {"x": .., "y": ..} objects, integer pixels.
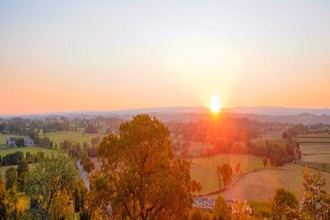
[{"x": 262, "y": 113}]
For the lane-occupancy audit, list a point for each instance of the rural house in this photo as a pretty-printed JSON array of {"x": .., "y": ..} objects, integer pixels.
[
  {"x": 28, "y": 142},
  {"x": 11, "y": 142}
]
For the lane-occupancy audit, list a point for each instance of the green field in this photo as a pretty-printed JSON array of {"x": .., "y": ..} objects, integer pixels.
[
  {"x": 5, "y": 137},
  {"x": 31, "y": 149},
  {"x": 204, "y": 169},
  {"x": 79, "y": 137}
]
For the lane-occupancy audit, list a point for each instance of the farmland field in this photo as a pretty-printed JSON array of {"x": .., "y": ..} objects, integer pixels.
[
  {"x": 5, "y": 137},
  {"x": 261, "y": 185},
  {"x": 271, "y": 139},
  {"x": 315, "y": 150},
  {"x": 31, "y": 149},
  {"x": 204, "y": 169},
  {"x": 79, "y": 137},
  {"x": 313, "y": 139}
]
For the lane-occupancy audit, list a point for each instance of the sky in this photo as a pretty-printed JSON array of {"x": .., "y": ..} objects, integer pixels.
[{"x": 108, "y": 55}]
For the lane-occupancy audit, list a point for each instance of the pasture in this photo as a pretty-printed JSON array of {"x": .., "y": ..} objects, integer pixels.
[
  {"x": 31, "y": 149},
  {"x": 79, "y": 137},
  {"x": 315, "y": 151},
  {"x": 313, "y": 138},
  {"x": 261, "y": 185},
  {"x": 204, "y": 169},
  {"x": 271, "y": 139},
  {"x": 5, "y": 137}
]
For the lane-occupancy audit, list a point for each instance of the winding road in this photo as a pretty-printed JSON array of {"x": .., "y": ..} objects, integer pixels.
[{"x": 83, "y": 175}]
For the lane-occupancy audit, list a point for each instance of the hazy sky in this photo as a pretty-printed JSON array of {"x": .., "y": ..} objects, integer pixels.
[{"x": 105, "y": 55}]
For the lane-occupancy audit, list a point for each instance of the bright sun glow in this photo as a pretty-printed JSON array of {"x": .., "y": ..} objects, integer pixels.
[{"x": 215, "y": 104}]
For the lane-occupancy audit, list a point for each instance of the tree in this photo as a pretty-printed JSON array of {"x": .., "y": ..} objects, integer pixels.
[
  {"x": 225, "y": 174},
  {"x": 61, "y": 206},
  {"x": 19, "y": 142},
  {"x": 11, "y": 177},
  {"x": 314, "y": 204},
  {"x": 139, "y": 176},
  {"x": 49, "y": 182},
  {"x": 3, "y": 200},
  {"x": 88, "y": 165},
  {"x": 12, "y": 211},
  {"x": 19, "y": 156},
  {"x": 265, "y": 162},
  {"x": 284, "y": 204},
  {"x": 237, "y": 167},
  {"x": 22, "y": 173},
  {"x": 285, "y": 135},
  {"x": 240, "y": 211},
  {"x": 91, "y": 129},
  {"x": 28, "y": 156},
  {"x": 220, "y": 209},
  {"x": 196, "y": 214},
  {"x": 80, "y": 194},
  {"x": 195, "y": 186}
]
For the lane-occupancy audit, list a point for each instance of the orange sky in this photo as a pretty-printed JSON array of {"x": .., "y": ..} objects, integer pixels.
[{"x": 107, "y": 56}]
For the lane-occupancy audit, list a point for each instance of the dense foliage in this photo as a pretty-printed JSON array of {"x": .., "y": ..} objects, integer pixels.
[{"x": 139, "y": 177}]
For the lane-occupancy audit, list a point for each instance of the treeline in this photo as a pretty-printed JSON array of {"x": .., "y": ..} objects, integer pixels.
[
  {"x": 13, "y": 159},
  {"x": 26, "y": 127},
  {"x": 277, "y": 154},
  {"x": 295, "y": 130},
  {"x": 209, "y": 131}
]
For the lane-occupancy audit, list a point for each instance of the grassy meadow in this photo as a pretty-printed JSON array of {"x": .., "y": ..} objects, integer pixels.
[
  {"x": 315, "y": 151},
  {"x": 261, "y": 185},
  {"x": 5, "y": 137},
  {"x": 204, "y": 169},
  {"x": 78, "y": 136},
  {"x": 271, "y": 139},
  {"x": 31, "y": 149}
]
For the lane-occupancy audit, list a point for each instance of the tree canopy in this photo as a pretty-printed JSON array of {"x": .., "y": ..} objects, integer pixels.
[
  {"x": 139, "y": 176},
  {"x": 315, "y": 204},
  {"x": 284, "y": 204},
  {"x": 225, "y": 174},
  {"x": 220, "y": 209},
  {"x": 50, "y": 184}
]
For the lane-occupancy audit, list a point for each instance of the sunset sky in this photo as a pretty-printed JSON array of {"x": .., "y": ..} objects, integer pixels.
[{"x": 109, "y": 55}]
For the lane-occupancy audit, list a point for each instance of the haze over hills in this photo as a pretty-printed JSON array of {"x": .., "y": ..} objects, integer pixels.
[{"x": 262, "y": 113}]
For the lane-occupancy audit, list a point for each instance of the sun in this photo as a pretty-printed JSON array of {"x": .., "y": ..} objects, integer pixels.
[{"x": 215, "y": 104}]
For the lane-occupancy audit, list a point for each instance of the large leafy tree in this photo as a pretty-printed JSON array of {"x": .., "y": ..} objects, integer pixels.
[
  {"x": 314, "y": 204},
  {"x": 3, "y": 200},
  {"x": 240, "y": 211},
  {"x": 12, "y": 211},
  {"x": 11, "y": 177},
  {"x": 49, "y": 183},
  {"x": 284, "y": 204},
  {"x": 220, "y": 209},
  {"x": 139, "y": 176},
  {"x": 22, "y": 173},
  {"x": 225, "y": 174}
]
